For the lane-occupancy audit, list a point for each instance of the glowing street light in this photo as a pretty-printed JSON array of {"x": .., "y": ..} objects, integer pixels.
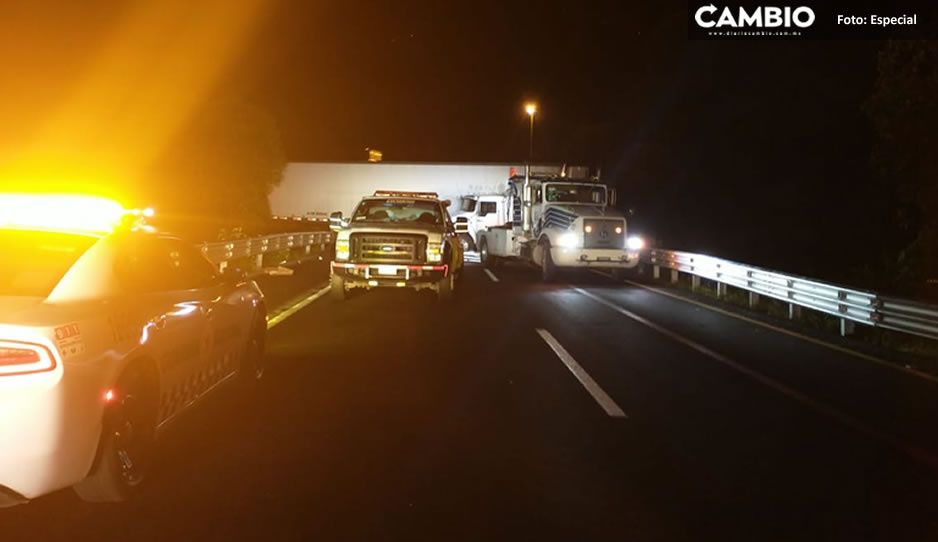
[{"x": 531, "y": 109}]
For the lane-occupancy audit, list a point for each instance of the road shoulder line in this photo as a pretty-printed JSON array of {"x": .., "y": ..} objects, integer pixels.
[
  {"x": 491, "y": 275},
  {"x": 296, "y": 307},
  {"x": 843, "y": 350},
  {"x": 917, "y": 453}
]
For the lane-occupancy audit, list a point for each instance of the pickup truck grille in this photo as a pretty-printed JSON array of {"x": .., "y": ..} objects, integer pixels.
[
  {"x": 388, "y": 248},
  {"x": 603, "y": 234}
]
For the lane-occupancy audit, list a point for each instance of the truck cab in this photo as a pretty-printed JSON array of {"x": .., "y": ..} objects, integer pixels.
[{"x": 479, "y": 212}]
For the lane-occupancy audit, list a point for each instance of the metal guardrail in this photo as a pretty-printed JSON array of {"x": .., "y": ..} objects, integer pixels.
[
  {"x": 851, "y": 305},
  {"x": 254, "y": 249}
]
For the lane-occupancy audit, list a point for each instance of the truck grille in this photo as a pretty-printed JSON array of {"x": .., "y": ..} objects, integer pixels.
[
  {"x": 604, "y": 233},
  {"x": 388, "y": 248}
]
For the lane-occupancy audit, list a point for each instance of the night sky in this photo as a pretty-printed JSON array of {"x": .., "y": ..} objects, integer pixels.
[{"x": 753, "y": 150}]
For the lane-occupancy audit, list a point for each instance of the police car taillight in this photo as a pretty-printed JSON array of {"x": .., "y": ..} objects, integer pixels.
[{"x": 17, "y": 358}]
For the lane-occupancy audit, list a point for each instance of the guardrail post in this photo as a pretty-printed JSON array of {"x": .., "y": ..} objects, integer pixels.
[
  {"x": 794, "y": 311},
  {"x": 847, "y": 327},
  {"x": 655, "y": 272},
  {"x": 694, "y": 282},
  {"x": 753, "y": 300},
  {"x": 259, "y": 261},
  {"x": 674, "y": 276},
  {"x": 721, "y": 290}
]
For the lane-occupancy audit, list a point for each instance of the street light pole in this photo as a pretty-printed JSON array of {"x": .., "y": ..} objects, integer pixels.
[{"x": 531, "y": 110}]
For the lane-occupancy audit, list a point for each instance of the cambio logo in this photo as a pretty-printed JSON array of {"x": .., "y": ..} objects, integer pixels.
[{"x": 759, "y": 17}]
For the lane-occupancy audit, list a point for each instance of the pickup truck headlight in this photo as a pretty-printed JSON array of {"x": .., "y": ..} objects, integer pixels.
[
  {"x": 434, "y": 252},
  {"x": 568, "y": 240},
  {"x": 341, "y": 249}
]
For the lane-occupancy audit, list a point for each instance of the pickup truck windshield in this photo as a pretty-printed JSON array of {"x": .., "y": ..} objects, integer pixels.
[
  {"x": 398, "y": 211},
  {"x": 575, "y": 193},
  {"x": 32, "y": 263}
]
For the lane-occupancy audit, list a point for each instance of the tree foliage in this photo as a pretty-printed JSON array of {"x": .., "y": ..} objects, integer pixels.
[
  {"x": 218, "y": 174},
  {"x": 904, "y": 110}
]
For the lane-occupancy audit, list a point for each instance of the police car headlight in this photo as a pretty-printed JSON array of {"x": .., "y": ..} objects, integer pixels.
[
  {"x": 568, "y": 240},
  {"x": 434, "y": 252},
  {"x": 341, "y": 249},
  {"x": 635, "y": 243}
]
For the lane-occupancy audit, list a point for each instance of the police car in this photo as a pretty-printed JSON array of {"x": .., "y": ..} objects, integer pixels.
[{"x": 108, "y": 331}]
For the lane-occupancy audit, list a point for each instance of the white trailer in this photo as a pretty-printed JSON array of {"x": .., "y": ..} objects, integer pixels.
[
  {"x": 338, "y": 186},
  {"x": 560, "y": 218}
]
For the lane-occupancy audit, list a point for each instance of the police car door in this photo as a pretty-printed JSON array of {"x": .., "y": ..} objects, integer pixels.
[{"x": 175, "y": 321}]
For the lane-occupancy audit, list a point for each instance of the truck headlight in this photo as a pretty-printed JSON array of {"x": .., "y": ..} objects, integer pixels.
[
  {"x": 434, "y": 252},
  {"x": 341, "y": 249},
  {"x": 568, "y": 240},
  {"x": 635, "y": 243}
]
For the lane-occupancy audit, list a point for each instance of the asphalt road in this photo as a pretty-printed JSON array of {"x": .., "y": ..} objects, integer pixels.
[{"x": 391, "y": 417}]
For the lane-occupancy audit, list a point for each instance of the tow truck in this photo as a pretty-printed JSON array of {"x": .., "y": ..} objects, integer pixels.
[{"x": 560, "y": 218}]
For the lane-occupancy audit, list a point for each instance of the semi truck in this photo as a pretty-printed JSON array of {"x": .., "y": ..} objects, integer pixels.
[{"x": 558, "y": 218}]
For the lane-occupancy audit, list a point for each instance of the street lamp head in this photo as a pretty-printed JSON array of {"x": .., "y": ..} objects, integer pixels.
[{"x": 530, "y": 108}]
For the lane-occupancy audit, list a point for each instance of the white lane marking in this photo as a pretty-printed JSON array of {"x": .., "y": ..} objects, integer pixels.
[
  {"x": 491, "y": 275},
  {"x": 280, "y": 317},
  {"x": 591, "y": 386},
  {"x": 872, "y": 359},
  {"x": 912, "y": 450}
]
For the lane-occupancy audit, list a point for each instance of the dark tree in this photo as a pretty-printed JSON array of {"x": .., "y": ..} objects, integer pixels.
[
  {"x": 218, "y": 174},
  {"x": 904, "y": 111}
]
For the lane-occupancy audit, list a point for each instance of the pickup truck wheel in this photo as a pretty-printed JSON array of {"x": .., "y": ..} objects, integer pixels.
[
  {"x": 446, "y": 287},
  {"x": 127, "y": 442},
  {"x": 489, "y": 261},
  {"x": 337, "y": 288},
  {"x": 548, "y": 269}
]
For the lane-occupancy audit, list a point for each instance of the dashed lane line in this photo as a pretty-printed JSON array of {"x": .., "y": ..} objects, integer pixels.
[{"x": 601, "y": 397}]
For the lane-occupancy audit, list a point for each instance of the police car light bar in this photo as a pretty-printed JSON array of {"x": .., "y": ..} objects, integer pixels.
[
  {"x": 396, "y": 194},
  {"x": 62, "y": 212}
]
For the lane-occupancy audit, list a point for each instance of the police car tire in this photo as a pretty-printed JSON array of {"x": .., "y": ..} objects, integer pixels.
[
  {"x": 253, "y": 366},
  {"x": 106, "y": 482},
  {"x": 337, "y": 288}
]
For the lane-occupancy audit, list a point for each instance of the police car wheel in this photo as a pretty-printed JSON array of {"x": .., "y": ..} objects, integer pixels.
[
  {"x": 126, "y": 447},
  {"x": 253, "y": 365}
]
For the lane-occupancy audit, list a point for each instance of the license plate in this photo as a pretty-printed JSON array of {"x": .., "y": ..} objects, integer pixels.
[{"x": 387, "y": 270}]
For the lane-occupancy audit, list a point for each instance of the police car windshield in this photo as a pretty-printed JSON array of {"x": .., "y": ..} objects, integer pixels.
[
  {"x": 32, "y": 263},
  {"x": 575, "y": 193},
  {"x": 397, "y": 211}
]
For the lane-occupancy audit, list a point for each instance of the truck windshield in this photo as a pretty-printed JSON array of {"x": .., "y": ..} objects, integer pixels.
[
  {"x": 575, "y": 193},
  {"x": 397, "y": 211},
  {"x": 32, "y": 263}
]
